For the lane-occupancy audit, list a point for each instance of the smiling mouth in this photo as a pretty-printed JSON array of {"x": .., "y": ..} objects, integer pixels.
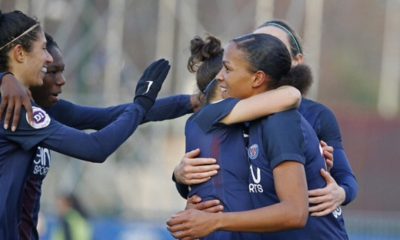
[
  {"x": 44, "y": 69},
  {"x": 55, "y": 95},
  {"x": 224, "y": 92},
  {"x": 223, "y": 89}
]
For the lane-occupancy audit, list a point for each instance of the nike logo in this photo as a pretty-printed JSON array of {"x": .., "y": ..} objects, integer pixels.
[{"x": 148, "y": 86}]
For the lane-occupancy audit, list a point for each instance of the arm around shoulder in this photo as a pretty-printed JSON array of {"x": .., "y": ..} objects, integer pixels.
[
  {"x": 290, "y": 213},
  {"x": 263, "y": 104}
]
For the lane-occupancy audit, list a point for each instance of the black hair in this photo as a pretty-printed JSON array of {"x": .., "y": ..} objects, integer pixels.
[
  {"x": 299, "y": 76},
  {"x": 294, "y": 39},
  {"x": 51, "y": 43},
  {"x": 267, "y": 53},
  {"x": 13, "y": 26},
  {"x": 205, "y": 60}
]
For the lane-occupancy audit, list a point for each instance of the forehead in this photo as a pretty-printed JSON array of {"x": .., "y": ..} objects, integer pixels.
[
  {"x": 57, "y": 56},
  {"x": 232, "y": 53},
  {"x": 40, "y": 41},
  {"x": 276, "y": 32},
  {"x": 236, "y": 58},
  {"x": 41, "y": 37}
]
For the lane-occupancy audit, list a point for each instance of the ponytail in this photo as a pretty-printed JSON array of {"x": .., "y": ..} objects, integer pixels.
[{"x": 299, "y": 76}]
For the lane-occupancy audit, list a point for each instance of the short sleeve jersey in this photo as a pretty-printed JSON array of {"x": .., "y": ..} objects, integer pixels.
[
  {"x": 287, "y": 136},
  {"x": 226, "y": 144}
]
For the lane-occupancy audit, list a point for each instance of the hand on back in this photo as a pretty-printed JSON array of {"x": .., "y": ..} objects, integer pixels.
[{"x": 192, "y": 170}]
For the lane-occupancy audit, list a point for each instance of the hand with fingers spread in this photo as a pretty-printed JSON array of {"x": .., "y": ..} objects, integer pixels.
[
  {"x": 327, "y": 151},
  {"x": 13, "y": 96},
  {"x": 192, "y": 224},
  {"x": 211, "y": 206},
  {"x": 325, "y": 200},
  {"x": 192, "y": 170}
]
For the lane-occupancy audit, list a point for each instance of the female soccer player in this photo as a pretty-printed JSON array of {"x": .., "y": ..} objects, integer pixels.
[
  {"x": 79, "y": 117},
  {"x": 23, "y": 53},
  {"x": 324, "y": 200},
  {"x": 283, "y": 152},
  {"x": 342, "y": 186},
  {"x": 217, "y": 131}
]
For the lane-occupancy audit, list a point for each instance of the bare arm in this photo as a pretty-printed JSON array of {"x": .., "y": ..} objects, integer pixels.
[
  {"x": 266, "y": 103},
  {"x": 192, "y": 170},
  {"x": 291, "y": 212},
  {"x": 14, "y": 96}
]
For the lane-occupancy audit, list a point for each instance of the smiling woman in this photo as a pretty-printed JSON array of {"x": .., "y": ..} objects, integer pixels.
[
  {"x": 23, "y": 53},
  {"x": 283, "y": 154},
  {"x": 47, "y": 95}
]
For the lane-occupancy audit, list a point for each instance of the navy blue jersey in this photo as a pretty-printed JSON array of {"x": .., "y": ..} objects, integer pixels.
[
  {"x": 281, "y": 137},
  {"x": 14, "y": 166},
  {"x": 325, "y": 125},
  {"x": 83, "y": 117},
  {"x": 226, "y": 145},
  {"x": 32, "y": 192},
  {"x": 18, "y": 149}
]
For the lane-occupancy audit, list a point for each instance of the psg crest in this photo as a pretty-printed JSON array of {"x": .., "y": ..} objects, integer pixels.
[
  {"x": 40, "y": 118},
  {"x": 253, "y": 151}
]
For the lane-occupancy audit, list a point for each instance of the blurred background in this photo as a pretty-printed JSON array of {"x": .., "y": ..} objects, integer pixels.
[{"x": 352, "y": 46}]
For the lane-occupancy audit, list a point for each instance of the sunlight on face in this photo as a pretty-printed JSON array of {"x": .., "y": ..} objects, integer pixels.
[
  {"x": 36, "y": 62},
  {"x": 47, "y": 94},
  {"x": 235, "y": 77}
]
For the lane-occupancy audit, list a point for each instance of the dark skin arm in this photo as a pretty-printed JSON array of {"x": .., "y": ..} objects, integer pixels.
[
  {"x": 291, "y": 212},
  {"x": 14, "y": 95},
  {"x": 212, "y": 206}
]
